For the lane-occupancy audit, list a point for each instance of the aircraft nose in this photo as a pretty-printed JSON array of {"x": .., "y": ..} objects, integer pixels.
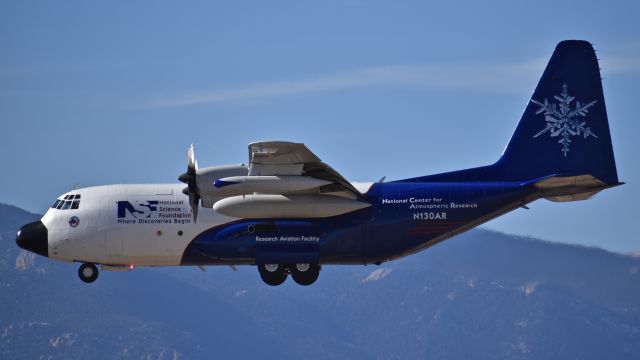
[{"x": 34, "y": 237}]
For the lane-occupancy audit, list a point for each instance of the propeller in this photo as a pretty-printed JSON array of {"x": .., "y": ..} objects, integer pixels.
[{"x": 189, "y": 178}]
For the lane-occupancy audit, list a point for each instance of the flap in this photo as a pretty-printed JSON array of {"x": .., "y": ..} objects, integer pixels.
[{"x": 277, "y": 158}]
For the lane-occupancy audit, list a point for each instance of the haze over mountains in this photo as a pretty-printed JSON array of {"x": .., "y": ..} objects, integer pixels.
[{"x": 482, "y": 295}]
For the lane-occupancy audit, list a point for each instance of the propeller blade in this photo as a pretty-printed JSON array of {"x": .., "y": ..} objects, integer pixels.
[
  {"x": 192, "y": 163},
  {"x": 186, "y": 178},
  {"x": 192, "y": 166},
  {"x": 189, "y": 178},
  {"x": 194, "y": 199}
]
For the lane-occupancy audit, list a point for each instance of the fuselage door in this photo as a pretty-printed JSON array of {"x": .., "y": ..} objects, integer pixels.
[{"x": 113, "y": 242}]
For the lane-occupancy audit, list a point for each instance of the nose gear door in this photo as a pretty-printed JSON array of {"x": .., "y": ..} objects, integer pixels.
[{"x": 113, "y": 242}]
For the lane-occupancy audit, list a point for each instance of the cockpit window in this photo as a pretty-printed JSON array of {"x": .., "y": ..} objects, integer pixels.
[{"x": 71, "y": 201}]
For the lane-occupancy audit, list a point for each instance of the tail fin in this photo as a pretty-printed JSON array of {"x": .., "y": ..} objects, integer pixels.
[{"x": 564, "y": 129}]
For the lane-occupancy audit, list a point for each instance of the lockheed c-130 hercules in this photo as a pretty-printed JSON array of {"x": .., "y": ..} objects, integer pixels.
[{"x": 289, "y": 213}]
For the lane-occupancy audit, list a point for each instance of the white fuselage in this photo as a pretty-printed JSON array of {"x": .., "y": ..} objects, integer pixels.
[{"x": 121, "y": 225}]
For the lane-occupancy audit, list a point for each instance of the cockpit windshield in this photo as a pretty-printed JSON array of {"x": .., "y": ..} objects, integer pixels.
[{"x": 68, "y": 202}]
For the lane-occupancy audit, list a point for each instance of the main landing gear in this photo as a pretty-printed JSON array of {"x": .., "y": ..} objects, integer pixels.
[
  {"x": 88, "y": 272},
  {"x": 276, "y": 274}
]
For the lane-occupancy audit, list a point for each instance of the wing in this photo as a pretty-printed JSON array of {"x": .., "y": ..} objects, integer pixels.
[{"x": 295, "y": 159}]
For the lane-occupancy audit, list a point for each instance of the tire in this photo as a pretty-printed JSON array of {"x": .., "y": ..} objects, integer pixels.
[
  {"x": 305, "y": 274},
  {"x": 272, "y": 274},
  {"x": 88, "y": 272}
]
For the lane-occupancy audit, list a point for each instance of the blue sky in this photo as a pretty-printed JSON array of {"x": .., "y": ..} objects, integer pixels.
[{"x": 98, "y": 93}]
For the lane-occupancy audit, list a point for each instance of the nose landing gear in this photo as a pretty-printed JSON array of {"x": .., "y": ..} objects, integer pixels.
[
  {"x": 276, "y": 274},
  {"x": 88, "y": 272}
]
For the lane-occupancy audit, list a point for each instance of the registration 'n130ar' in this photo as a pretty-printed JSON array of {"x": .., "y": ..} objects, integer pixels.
[{"x": 430, "y": 216}]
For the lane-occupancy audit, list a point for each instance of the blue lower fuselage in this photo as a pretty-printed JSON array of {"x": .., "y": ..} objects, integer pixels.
[{"x": 404, "y": 217}]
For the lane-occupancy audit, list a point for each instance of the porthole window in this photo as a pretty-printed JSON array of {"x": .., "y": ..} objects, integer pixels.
[
  {"x": 159, "y": 232},
  {"x": 180, "y": 233}
]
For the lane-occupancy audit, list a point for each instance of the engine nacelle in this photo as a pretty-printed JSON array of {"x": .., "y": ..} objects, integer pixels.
[
  {"x": 262, "y": 206},
  {"x": 205, "y": 178},
  {"x": 242, "y": 185}
]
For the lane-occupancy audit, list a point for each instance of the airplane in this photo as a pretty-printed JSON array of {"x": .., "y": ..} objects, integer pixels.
[{"x": 289, "y": 213}]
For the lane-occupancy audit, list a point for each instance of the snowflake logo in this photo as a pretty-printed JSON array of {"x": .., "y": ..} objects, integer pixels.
[{"x": 562, "y": 121}]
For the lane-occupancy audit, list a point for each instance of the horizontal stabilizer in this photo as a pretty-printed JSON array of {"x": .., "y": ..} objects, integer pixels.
[{"x": 570, "y": 188}]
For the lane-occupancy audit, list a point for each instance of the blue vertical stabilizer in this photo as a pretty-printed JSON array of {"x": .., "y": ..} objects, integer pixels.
[{"x": 564, "y": 130}]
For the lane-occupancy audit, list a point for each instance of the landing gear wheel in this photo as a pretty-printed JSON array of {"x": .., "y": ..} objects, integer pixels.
[
  {"x": 272, "y": 274},
  {"x": 305, "y": 274},
  {"x": 88, "y": 272}
]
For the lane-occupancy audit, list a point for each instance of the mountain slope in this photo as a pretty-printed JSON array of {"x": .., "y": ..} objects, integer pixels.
[{"x": 12, "y": 217}]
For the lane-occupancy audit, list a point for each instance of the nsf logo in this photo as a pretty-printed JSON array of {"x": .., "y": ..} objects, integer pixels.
[{"x": 137, "y": 209}]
